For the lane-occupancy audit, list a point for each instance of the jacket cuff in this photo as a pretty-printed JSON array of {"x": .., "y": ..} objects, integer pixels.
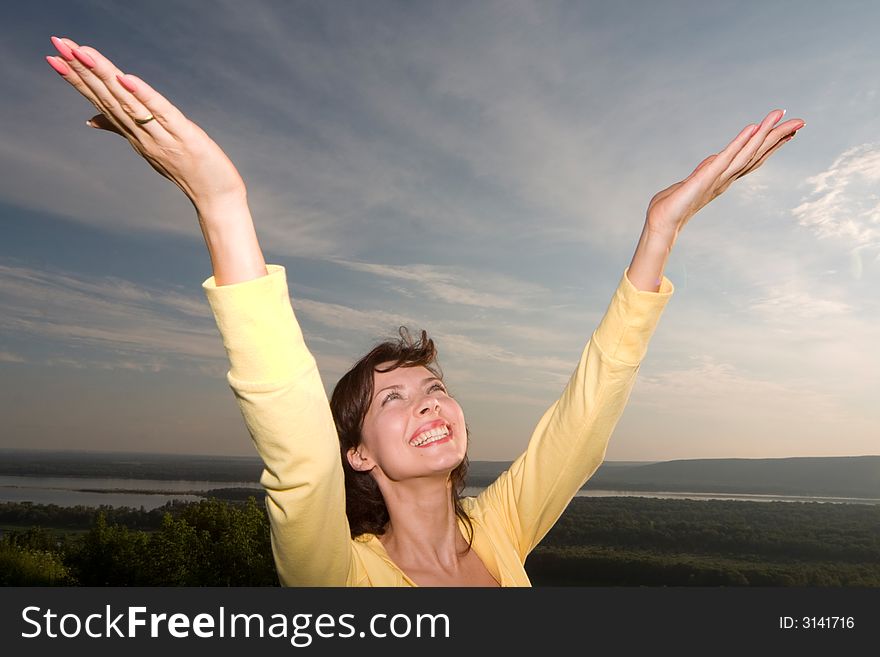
[
  {"x": 628, "y": 324},
  {"x": 261, "y": 335}
]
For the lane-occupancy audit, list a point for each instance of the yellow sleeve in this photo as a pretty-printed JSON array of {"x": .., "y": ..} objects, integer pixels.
[
  {"x": 568, "y": 444},
  {"x": 278, "y": 388}
]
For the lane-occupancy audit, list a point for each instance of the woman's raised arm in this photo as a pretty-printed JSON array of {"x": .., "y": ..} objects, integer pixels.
[
  {"x": 273, "y": 375},
  {"x": 570, "y": 441},
  {"x": 672, "y": 208},
  {"x": 176, "y": 148}
]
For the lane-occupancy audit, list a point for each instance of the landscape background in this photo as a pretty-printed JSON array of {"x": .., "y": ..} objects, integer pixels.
[{"x": 769, "y": 522}]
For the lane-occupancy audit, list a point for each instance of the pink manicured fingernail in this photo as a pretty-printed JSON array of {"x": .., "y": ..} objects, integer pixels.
[
  {"x": 63, "y": 48},
  {"x": 125, "y": 82},
  {"x": 84, "y": 58},
  {"x": 60, "y": 67}
]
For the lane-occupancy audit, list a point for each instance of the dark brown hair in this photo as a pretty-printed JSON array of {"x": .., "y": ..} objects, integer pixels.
[{"x": 364, "y": 504}]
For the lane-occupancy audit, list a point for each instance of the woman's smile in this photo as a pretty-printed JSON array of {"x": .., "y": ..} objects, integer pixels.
[
  {"x": 432, "y": 430},
  {"x": 434, "y": 438}
]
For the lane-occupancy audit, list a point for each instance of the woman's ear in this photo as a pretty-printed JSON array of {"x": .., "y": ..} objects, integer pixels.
[{"x": 358, "y": 461}]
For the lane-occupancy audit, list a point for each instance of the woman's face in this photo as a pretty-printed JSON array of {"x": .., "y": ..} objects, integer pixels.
[{"x": 403, "y": 431}]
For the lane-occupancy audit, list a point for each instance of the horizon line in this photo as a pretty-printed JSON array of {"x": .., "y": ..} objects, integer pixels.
[{"x": 257, "y": 457}]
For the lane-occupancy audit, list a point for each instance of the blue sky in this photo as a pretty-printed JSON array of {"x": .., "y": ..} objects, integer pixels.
[{"x": 478, "y": 169}]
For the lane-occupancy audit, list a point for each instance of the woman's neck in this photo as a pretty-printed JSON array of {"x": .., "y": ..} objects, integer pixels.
[{"x": 423, "y": 530}]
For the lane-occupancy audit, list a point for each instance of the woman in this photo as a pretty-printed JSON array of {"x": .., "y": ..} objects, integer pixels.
[{"x": 389, "y": 511}]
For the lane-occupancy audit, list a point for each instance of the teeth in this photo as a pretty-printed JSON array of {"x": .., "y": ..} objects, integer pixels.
[{"x": 430, "y": 436}]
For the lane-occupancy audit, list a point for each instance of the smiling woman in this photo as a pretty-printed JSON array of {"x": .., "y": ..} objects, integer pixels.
[
  {"x": 404, "y": 444},
  {"x": 364, "y": 490}
]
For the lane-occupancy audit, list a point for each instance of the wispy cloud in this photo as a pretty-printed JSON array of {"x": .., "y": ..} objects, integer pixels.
[
  {"x": 718, "y": 389},
  {"x": 144, "y": 328},
  {"x": 792, "y": 302},
  {"x": 486, "y": 352},
  {"x": 339, "y": 316},
  {"x": 844, "y": 201},
  {"x": 9, "y": 357},
  {"x": 494, "y": 362},
  {"x": 457, "y": 285}
]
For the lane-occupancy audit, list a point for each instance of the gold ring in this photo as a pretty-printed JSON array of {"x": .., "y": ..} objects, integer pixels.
[{"x": 149, "y": 118}]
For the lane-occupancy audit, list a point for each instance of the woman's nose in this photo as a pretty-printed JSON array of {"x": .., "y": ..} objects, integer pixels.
[{"x": 430, "y": 404}]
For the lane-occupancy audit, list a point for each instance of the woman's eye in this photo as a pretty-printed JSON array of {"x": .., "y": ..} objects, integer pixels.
[{"x": 436, "y": 386}]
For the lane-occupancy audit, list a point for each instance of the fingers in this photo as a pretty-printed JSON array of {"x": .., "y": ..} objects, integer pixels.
[
  {"x": 58, "y": 64},
  {"x": 771, "y": 142},
  {"x": 764, "y": 139},
  {"x": 97, "y": 78},
  {"x": 67, "y": 71},
  {"x": 751, "y": 145},
  {"x": 713, "y": 171},
  {"x": 763, "y": 158},
  {"x": 87, "y": 84},
  {"x": 741, "y": 159},
  {"x": 164, "y": 112}
]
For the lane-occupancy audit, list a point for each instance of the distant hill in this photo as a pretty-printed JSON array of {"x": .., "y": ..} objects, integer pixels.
[
  {"x": 123, "y": 465},
  {"x": 834, "y": 476},
  {"x": 845, "y": 476},
  {"x": 837, "y": 476}
]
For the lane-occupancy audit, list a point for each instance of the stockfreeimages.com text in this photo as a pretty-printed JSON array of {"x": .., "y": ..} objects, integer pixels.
[{"x": 301, "y": 629}]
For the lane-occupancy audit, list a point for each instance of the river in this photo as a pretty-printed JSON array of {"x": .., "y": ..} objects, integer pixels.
[{"x": 153, "y": 493}]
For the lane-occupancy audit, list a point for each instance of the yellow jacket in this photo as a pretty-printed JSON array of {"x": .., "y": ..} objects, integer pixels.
[{"x": 279, "y": 391}]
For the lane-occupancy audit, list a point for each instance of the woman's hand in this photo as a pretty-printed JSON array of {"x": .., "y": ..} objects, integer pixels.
[
  {"x": 173, "y": 145},
  {"x": 671, "y": 209}
]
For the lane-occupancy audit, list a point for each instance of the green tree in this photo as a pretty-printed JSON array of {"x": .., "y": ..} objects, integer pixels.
[{"x": 28, "y": 566}]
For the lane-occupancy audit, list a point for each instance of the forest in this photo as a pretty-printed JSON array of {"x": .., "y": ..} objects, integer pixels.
[
  {"x": 598, "y": 541},
  {"x": 631, "y": 541}
]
